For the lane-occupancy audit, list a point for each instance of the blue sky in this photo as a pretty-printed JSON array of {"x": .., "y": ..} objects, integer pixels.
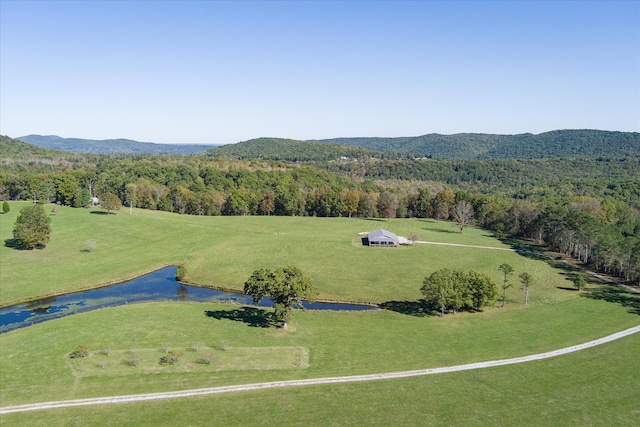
[{"x": 223, "y": 72}]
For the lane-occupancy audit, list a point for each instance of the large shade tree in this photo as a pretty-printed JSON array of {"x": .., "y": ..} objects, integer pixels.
[
  {"x": 110, "y": 202},
  {"x": 286, "y": 286},
  {"x": 32, "y": 227},
  {"x": 454, "y": 289},
  {"x": 442, "y": 287}
]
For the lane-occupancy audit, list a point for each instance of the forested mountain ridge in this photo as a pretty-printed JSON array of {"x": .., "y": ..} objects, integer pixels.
[
  {"x": 15, "y": 149},
  {"x": 467, "y": 146},
  {"x": 107, "y": 146},
  {"x": 464, "y": 146},
  {"x": 290, "y": 150},
  {"x": 18, "y": 156}
]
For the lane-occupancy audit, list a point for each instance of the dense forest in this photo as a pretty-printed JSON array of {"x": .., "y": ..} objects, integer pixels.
[
  {"x": 584, "y": 207},
  {"x": 291, "y": 150},
  {"x": 554, "y": 144}
]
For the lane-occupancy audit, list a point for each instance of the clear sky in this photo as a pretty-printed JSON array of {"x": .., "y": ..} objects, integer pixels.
[{"x": 223, "y": 72}]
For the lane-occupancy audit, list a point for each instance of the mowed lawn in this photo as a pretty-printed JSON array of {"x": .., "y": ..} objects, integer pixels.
[
  {"x": 593, "y": 388},
  {"x": 224, "y": 251},
  {"x": 596, "y": 387}
]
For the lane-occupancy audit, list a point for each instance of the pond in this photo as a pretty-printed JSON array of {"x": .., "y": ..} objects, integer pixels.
[{"x": 159, "y": 285}]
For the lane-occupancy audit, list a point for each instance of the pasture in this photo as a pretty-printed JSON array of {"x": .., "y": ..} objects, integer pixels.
[
  {"x": 598, "y": 386},
  {"x": 224, "y": 251}
]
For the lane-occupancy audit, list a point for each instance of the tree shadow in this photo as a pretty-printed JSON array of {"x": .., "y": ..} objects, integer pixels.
[
  {"x": 522, "y": 245},
  {"x": 376, "y": 219},
  {"x": 440, "y": 230},
  {"x": 101, "y": 213},
  {"x": 567, "y": 289},
  {"x": 427, "y": 220},
  {"x": 418, "y": 308},
  {"x": 15, "y": 244},
  {"x": 615, "y": 294},
  {"x": 252, "y": 316},
  {"x": 12, "y": 244}
]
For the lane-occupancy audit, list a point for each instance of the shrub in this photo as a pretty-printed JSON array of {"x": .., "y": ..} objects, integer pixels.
[
  {"x": 106, "y": 351},
  {"x": 80, "y": 352},
  {"x": 181, "y": 272},
  {"x": 579, "y": 282},
  {"x": 171, "y": 357},
  {"x": 133, "y": 360},
  {"x": 206, "y": 359}
]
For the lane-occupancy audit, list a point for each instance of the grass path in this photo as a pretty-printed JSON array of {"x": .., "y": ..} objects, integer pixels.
[{"x": 315, "y": 381}]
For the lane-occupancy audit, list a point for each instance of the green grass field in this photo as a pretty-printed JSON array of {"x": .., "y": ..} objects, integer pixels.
[
  {"x": 224, "y": 251},
  {"x": 598, "y": 386}
]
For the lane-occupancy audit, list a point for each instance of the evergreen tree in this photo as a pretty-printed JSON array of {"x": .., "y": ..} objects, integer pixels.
[{"x": 32, "y": 227}]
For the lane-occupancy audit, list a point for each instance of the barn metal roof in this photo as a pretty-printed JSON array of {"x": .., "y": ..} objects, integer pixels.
[{"x": 382, "y": 235}]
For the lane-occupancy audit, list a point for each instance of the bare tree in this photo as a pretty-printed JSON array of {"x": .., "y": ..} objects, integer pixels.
[
  {"x": 463, "y": 214},
  {"x": 90, "y": 245}
]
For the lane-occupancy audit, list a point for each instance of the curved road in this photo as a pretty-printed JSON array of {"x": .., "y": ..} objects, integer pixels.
[{"x": 314, "y": 381}]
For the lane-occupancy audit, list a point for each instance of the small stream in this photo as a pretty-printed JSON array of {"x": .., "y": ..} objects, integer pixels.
[{"x": 159, "y": 285}]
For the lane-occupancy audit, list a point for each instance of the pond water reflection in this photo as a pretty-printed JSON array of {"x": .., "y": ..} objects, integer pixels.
[{"x": 159, "y": 285}]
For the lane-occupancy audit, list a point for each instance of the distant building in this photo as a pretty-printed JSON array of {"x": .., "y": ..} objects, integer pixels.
[{"x": 384, "y": 238}]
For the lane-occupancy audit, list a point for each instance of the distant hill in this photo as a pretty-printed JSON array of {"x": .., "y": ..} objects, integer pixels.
[
  {"x": 19, "y": 156},
  {"x": 111, "y": 146},
  {"x": 290, "y": 150},
  {"x": 13, "y": 149},
  {"x": 466, "y": 146}
]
